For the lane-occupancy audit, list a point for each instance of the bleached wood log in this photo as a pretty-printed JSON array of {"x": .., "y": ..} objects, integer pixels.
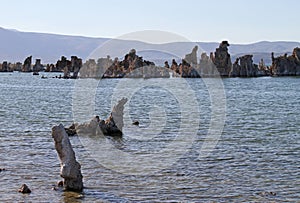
[{"x": 70, "y": 169}]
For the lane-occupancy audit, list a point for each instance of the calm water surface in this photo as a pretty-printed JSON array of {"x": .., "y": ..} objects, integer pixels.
[{"x": 258, "y": 152}]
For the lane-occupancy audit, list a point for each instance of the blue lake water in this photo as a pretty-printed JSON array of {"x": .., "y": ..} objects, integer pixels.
[{"x": 258, "y": 151}]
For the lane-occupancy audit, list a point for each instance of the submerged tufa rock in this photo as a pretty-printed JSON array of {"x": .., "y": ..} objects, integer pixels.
[
  {"x": 24, "y": 189},
  {"x": 112, "y": 126}
]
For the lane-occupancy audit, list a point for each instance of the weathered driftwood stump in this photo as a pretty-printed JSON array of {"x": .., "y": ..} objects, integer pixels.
[{"x": 69, "y": 167}]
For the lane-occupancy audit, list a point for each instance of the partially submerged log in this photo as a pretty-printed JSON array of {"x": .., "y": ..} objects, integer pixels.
[
  {"x": 70, "y": 169},
  {"x": 112, "y": 126}
]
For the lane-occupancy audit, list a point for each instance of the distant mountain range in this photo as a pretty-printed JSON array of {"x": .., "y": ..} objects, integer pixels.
[{"x": 16, "y": 46}]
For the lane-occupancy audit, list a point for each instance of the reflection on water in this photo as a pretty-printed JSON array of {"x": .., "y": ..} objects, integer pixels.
[{"x": 257, "y": 153}]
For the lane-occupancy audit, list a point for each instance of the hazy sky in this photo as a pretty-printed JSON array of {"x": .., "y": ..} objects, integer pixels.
[{"x": 238, "y": 21}]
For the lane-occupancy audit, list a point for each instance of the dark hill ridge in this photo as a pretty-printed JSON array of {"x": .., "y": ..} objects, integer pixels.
[{"x": 16, "y": 46}]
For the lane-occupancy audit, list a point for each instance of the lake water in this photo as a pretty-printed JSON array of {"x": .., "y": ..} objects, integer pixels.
[{"x": 257, "y": 153}]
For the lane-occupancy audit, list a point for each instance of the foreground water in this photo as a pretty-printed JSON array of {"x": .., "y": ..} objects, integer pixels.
[{"x": 258, "y": 152}]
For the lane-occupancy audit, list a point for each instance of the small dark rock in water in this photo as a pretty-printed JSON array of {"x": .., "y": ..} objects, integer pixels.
[
  {"x": 60, "y": 183},
  {"x": 135, "y": 123},
  {"x": 24, "y": 189},
  {"x": 267, "y": 193},
  {"x": 2, "y": 169}
]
